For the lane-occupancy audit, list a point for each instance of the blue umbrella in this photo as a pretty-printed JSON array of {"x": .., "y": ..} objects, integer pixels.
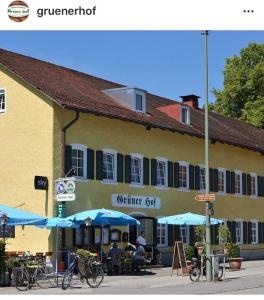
[
  {"x": 103, "y": 217},
  {"x": 187, "y": 219},
  {"x": 59, "y": 223},
  {"x": 20, "y": 217}
]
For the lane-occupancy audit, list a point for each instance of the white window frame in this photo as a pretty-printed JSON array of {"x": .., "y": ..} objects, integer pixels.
[
  {"x": 138, "y": 156},
  {"x": 256, "y": 185},
  {"x": 241, "y": 231},
  {"x": 188, "y": 114},
  {"x": 257, "y": 233},
  {"x": 184, "y": 164},
  {"x": 84, "y": 149},
  {"x": 224, "y": 172},
  {"x": 143, "y": 94},
  {"x": 3, "y": 111},
  {"x": 238, "y": 172},
  {"x": 165, "y": 161},
  {"x": 201, "y": 167},
  {"x": 114, "y": 153},
  {"x": 166, "y": 233},
  {"x": 187, "y": 233}
]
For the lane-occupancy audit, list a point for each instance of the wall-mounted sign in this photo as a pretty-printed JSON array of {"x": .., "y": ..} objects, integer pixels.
[
  {"x": 41, "y": 183},
  {"x": 135, "y": 201},
  {"x": 9, "y": 232},
  {"x": 65, "y": 189}
]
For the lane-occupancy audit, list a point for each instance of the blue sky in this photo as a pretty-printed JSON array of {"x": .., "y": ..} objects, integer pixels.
[{"x": 166, "y": 63}]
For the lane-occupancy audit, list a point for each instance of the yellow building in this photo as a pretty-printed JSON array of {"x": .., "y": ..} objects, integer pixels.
[{"x": 128, "y": 150}]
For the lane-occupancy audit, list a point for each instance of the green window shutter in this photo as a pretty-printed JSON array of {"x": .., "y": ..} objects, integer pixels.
[
  {"x": 228, "y": 182},
  {"x": 120, "y": 166},
  {"x": 260, "y": 234},
  {"x": 245, "y": 232},
  {"x": 145, "y": 171},
  {"x": 177, "y": 233},
  {"x": 191, "y": 234},
  {"x": 259, "y": 180},
  {"x": 249, "y": 232},
  {"x": 191, "y": 177},
  {"x": 176, "y": 175},
  {"x": 153, "y": 172},
  {"x": 67, "y": 159},
  {"x": 128, "y": 169},
  {"x": 90, "y": 164},
  {"x": 99, "y": 165},
  {"x": 232, "y": 182},
  {"x": 248, "y": 184},
  {"x": 197, "y": 177},
  {"x": 170, "y": 174},
  {"x": 244, "y": 184},
  {"x": 170, "y": 235},
  {"x": 215, "y": 180},
  {"x": 211, "y": 179}
]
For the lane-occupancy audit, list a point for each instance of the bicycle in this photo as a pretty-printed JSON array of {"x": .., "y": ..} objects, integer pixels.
[
  {"x": 199, "y": 268},
  {"x": 31, "y": 272},
  {"x": 83, "y": 269}
]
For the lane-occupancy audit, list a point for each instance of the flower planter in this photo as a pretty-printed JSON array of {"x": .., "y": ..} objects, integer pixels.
[{"x": 235, "y": 263}]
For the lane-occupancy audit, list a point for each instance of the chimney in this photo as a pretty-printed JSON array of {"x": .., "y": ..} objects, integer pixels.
[{"x": 191, "y": 100}]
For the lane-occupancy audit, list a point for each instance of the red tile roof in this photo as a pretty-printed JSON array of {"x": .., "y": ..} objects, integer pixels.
[{"x": 76, "y": 90}]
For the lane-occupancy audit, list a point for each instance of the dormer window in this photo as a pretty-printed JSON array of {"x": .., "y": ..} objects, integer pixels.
[
  {"x": 131, "y": 97},
  {"x": 185, "y": 115},
  {"x": 2, "y": 101}
]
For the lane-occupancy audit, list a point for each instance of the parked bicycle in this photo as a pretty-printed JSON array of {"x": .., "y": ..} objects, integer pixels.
[
  {"x": 89, "y": 270},
  {"x": 33, "y": 272},
  {"x": 199, "y": 269}
]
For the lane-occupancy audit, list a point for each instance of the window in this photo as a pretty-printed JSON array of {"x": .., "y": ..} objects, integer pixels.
[
  {"x": 185, "y": 115},
  {"x": 2, "y": 101},
  {"x": 253, "y": 184},
  {"x": 136, "y": 168},
  {"x": 183, "y": 175},
  {"x": 139, "y": 102},
  {"x": 108, "y": 166},
  {"x": 254, "y": 231},
  {"x": 238, "y": 183},
  {"x": 184, "y": 232},
  {"x": 239, "y": 232},
  {"x": 161, "y": 172},
  {"x": 202, "y": 178},
  {"x": 162, "y": 234},
  {"x": 221, "y": 180},
  {"x": 79, "y": 161}
]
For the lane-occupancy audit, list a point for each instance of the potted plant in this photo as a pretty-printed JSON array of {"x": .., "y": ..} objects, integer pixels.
[
  {"x": 235, "y": 260},
  {"x": 199, "y": 231},
  {"x": 224, "y": 237},
  {"x": 189, "y": 254}
]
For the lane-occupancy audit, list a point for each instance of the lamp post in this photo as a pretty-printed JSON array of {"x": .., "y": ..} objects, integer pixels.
[
  {"x": 207, "y": 182},
  {"x": 3, "y": 221}
]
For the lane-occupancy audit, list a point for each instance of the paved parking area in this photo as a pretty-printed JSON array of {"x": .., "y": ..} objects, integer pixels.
[{"x": 159, "y": 281}]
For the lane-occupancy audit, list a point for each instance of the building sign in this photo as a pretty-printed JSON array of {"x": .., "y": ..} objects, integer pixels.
[
  {"x": 65, "y": 189},
  {"x": 9, "y": 232},
  {"x": 41, "y": 183},
  {"x": 135, "y": 201}
]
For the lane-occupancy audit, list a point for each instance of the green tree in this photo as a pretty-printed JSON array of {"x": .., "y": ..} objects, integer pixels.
[{"x": 242, "y": 96}]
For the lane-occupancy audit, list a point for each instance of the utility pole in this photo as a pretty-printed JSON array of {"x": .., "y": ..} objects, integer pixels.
[{"x": 207, "y": 190}]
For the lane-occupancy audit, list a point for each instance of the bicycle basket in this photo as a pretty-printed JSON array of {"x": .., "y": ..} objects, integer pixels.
[{"x": 82, "y": 265}]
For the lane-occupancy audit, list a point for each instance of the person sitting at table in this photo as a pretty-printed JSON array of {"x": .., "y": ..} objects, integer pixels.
[
  {"x": 115, "y": 254},
  {"x": 138, "y": 257}
]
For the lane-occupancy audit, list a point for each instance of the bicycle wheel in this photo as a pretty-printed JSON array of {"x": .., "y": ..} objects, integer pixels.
[
  {"x": 69, "y": 279},
  {"x": 45, "y": 277},
  {"x": 95, "y": 276},
  {"x": 220, "y": 272},
  {"x": 21, "y": 279},
  {"x": 195, "y": 274}
]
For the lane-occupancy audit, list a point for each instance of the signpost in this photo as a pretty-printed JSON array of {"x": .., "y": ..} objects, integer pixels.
[{"x": 205, "y": 197}]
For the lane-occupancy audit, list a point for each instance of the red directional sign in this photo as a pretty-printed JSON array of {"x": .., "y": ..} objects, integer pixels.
[{"x": 205, "y": 197}]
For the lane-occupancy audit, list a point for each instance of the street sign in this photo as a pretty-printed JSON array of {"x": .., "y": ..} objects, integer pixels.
[{"x": 205, "y": 197}]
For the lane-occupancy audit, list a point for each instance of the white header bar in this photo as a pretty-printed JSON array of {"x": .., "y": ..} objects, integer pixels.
[{"x": 135, "y": 15}]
